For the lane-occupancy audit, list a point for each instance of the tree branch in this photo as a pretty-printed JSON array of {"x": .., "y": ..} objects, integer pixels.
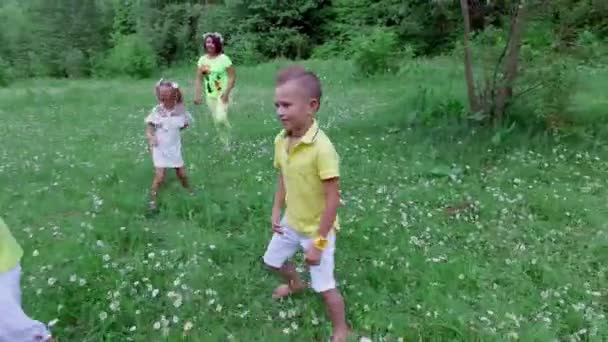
[
  {"x": 468, "y": 68},
  {"x": 511, "y": 62}
]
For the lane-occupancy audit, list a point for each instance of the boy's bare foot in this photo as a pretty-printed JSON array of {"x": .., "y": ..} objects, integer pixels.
[
  {"x": 340, "y": 335},
  {"x": 283, "y": 291}
]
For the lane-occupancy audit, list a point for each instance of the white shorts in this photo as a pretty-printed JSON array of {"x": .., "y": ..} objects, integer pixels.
[
  {"x": 284, "y": 246},
  {"x": 15, "y": 325}
]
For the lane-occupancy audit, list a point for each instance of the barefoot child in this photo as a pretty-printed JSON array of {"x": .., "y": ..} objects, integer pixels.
[
  {"x": 163, "y": 127},
  {"x": 308, "y": 188},
  {"x": 15, "y": 325}
]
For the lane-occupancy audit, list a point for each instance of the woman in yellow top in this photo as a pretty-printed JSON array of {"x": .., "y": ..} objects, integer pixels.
[
  {"x": 15, "y": 325},
  {"x": 217, "y": 71}
]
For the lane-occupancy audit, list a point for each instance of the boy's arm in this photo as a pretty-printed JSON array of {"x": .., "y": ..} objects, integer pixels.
[
  {"x": 279, "y": 204},
  {"x": 331, "y": 189},
  {"x": 328, "y": 163}
]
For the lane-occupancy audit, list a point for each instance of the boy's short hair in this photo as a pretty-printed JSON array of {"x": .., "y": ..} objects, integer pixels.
[{"x": 305, "y": 78}]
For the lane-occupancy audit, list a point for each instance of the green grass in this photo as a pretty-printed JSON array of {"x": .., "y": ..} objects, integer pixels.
[{"x": 527, "y": 259}]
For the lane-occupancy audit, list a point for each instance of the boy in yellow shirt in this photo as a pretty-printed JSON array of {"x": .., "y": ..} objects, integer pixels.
[
  {"x": 15, "y": 325},
  {"x": 308, "y": 188}
]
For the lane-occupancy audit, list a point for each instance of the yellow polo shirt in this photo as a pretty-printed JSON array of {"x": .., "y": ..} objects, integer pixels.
[
  {"x": 10, "y": 251},
  {"x": 304, "y": 168}
]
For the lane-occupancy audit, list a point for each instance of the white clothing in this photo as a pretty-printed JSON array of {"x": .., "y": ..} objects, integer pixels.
[
  {"x": 167, "y": 126},
  {"x": 15, "y": 325},
  {"x": 284, "y": 246}
]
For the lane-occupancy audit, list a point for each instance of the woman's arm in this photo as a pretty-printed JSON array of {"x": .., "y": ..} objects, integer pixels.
[{"x": 231, "y": 80}]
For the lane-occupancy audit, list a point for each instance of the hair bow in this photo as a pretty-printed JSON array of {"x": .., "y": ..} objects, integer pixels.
[{"x": 162, "y": 81}]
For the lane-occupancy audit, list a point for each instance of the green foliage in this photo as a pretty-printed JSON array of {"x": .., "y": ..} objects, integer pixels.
[
  {"x": 171, "y": 31},
  {"x": 590, "y": 48},
  {"x": 131, "y": 56},
  {"x": 242, "y": 49},
  {"x": 6, "y": 75},
  {"x": 76, "y": 63},
  {"x": 282, "y": 29},
  {"x": 46, "y": 38},
  {"x": 125, "y": 18},
  {"x": 545, "y": 93},
  {"x": 375, "y": 52}
]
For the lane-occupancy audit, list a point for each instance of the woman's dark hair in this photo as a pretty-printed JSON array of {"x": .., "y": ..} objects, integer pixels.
[{"x": 217, "y": 42}]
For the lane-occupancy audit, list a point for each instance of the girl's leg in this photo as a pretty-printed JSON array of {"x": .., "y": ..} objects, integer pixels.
[
  {"x": 159, "y": 178},
  {"x": 181, "y": 175}
]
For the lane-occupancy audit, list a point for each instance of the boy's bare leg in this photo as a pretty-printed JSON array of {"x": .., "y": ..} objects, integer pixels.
[
  {"x": 335, "y": 309},
  {"x": 293, "y": 283}
]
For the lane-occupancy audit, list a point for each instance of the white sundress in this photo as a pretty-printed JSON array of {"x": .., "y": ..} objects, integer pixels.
[{"x": 167, "y": 126}]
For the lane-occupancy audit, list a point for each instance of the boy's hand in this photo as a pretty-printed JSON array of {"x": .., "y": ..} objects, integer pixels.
[
  {"x": 276, "y": 222},
  {"x": 313, "y": 256}
]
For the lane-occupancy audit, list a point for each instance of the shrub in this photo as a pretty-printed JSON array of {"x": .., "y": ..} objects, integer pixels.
[
  {"x": 544, "y": 94},
  {"x": 132, "y": 56},
  {"x": 376, "y": 52},
  {"x": 242, "y": 49},
  {"x": 76, "y": 63},
  {"x": 6, "y": 75}
]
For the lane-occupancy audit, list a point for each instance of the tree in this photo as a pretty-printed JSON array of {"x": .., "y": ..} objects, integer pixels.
[{"x": 493, "y": 98}]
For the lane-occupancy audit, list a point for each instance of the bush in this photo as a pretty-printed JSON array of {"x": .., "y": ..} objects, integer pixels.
[
  {"x": 6, "y": 75},
  {"x": 344, "y": 46},
  {"x": 545, "y": 93},
  {"x": 555, "y": 95},
  {"x": 590, "y": 48},
  {"x": 76, "y": 63},
  {"x": 131, "y": 56},
  {"x": 242, "y": 49},
  {"x": 376, "y": 52}
]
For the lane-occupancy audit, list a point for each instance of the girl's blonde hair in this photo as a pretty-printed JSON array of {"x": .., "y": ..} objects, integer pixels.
[{"x": 174, "y": 86}]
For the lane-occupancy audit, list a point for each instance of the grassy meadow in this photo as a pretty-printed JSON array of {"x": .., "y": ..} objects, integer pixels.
[{"x": 448, "y": 234}]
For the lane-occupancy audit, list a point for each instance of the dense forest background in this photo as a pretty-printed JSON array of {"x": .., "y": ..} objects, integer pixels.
[{"x": 81, "y": 38}]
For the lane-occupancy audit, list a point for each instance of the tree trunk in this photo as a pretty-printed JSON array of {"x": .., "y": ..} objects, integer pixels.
[
  {"x": 468, "y": 59},
  {"x": 511, "y": 66}
]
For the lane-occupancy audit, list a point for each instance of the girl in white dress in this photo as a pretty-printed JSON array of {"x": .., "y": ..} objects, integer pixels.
[{"x": 163, "y": 127}]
